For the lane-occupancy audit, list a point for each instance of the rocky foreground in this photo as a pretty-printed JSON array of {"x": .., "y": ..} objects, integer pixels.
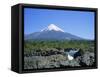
[{"x": 55, "y": 58}]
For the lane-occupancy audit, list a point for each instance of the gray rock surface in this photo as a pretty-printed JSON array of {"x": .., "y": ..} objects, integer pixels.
[
  {"x": 58, "y": 60},
  {"x": 88, "y": 58}
]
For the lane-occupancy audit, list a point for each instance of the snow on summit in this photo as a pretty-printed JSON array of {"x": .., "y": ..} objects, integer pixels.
[{"x": 52, "y": 27}]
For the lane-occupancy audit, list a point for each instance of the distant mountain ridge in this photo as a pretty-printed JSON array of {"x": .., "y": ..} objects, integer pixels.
[{"x": 52, "y": 32}]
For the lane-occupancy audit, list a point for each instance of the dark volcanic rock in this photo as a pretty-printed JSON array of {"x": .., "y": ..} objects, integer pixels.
[
  {"x": 79, "y": 53},
  {"x": 54, "y": 58},
  {"x": 88, "y": 58}
]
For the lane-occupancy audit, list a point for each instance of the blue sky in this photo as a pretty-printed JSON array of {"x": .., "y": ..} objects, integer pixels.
[{"x": 78, "y": 23}]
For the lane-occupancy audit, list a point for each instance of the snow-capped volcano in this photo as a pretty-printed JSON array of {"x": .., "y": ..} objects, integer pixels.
[
  {"x": 52, "y": 27},
  {"x": 52, "y": 32}
]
